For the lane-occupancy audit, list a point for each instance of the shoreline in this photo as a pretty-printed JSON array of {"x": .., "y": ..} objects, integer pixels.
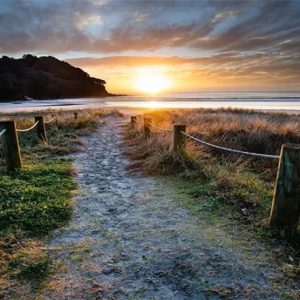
[{"x": 131, "y": 104}]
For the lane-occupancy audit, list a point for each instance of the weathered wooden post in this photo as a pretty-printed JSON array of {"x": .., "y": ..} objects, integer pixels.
[
  {"x": 133, "y": 122},
  {"x": 147, "y": 122},
  {"x": 41, "y": 128},
  {"x": 75, "y": 115},
  {"x": 13, "y": 155},
  {"x": 285, "y": 209},
  {"x": 179, "y": 138}
]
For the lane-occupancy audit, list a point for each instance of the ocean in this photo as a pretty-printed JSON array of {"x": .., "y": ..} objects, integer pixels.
[{"x": 274, "y": 101}]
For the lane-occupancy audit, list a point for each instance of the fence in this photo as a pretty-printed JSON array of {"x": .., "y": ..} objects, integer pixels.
[
  {"x": 9, "y": 133},
  {"x": 285, "y": 209}
]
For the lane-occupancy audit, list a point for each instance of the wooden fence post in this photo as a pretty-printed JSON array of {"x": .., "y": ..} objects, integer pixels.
[
  {"x": 133, "y": 122},
  {"x": 41, "y": 128},
  {"x": 285, "y": 209},
  {"x": 147, "y": 122},
  {"x": 13, "y": 155},
  {"x": 179, "y": 138},
  {"x": 75, "y": 115}
]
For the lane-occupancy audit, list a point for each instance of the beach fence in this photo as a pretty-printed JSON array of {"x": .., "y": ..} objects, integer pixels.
[
  {"x": 285, "y": 209},
  {"x": 9, "y": 138}
]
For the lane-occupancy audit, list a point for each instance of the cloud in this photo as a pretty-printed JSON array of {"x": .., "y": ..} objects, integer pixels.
[{"x": 118, "y": 26}]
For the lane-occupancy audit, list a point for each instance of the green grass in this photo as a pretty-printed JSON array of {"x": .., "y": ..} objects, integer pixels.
[
  {"x": 238, "y": 197},
  {"x": 36, "y": 200}
]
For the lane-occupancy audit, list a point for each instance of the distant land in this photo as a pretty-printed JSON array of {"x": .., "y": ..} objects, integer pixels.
[{"x": 46, "y": 77}]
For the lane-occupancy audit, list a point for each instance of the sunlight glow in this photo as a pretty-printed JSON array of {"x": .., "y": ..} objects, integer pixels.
[
  {"x": 152, "y": 104},
  {"x": 151, "y": 81}
]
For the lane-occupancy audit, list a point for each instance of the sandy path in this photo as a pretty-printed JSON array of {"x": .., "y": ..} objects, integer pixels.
[{"x": 130, "y": 239}]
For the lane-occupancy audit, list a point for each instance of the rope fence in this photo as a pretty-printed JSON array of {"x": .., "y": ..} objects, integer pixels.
[
  {"x": 11, "y": 143},
  {"x": 47, "y": 122},
  {"x": 262, "y": 155},
  {"x": 2, "y": 132},
  {"x": 28, "y": 129},
  {"x": 285, "y": 212},
  {"x": 159, "y": 128}
]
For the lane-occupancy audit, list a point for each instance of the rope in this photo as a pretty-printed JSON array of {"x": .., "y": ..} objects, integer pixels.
[
  {"x": 49, "y": 121},
  {"x": 28, "y": 129},
  {"x": 2, "y": 132},
  {"x": 159, "y": 128},
  {"x": 230, "y": 150}
]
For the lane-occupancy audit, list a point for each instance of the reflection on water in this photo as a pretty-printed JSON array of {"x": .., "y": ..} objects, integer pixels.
[
  {"x": 263, "y": 101},
  {"x": 282, "y": 105}
]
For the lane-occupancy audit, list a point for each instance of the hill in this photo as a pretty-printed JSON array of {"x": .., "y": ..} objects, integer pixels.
[{"x": 45, "y": 77}]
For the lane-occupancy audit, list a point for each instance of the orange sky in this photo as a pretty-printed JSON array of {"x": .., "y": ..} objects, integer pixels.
[{"x": 221, "y": 72}]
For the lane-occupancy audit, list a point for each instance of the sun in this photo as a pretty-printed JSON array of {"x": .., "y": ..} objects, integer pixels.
[{"x": 151, "y": 82}]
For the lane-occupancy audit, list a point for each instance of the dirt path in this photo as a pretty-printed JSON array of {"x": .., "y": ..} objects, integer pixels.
[{"x": 129, "y": 239}]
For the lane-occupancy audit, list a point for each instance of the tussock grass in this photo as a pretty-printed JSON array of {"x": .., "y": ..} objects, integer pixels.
[
  {"x": 238, "y": 129},
  {"x": 36, "y": 200},
  {"x": 246, "y": 183}
]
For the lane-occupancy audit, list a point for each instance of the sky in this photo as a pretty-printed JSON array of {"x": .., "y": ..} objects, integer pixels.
[{"x": 139, "y": 46}]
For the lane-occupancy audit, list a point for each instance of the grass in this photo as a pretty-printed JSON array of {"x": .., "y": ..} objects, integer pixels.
[
  {"x": 221, "y": 185},
  {"x": 36, "y": 200},
  {"x": 238, "y": 129}
]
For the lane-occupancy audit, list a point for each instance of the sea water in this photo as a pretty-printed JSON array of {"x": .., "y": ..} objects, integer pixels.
[{"x": 283, "y": 101}]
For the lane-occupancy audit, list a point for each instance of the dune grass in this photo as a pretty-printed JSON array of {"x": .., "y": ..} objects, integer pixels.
[
  {"x": 244, "y": 183},
  {"x": 36, "y": 200},
  {"x": 239, "y": 129}
]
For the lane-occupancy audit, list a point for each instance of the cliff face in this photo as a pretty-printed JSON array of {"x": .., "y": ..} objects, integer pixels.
[{"x": 45, "y": 77}]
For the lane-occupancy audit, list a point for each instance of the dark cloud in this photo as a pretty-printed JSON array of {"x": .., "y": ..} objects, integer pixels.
[{"x": 59, "y": 26}]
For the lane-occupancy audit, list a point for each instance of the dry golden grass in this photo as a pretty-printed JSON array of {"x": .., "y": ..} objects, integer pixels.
[{"x": 238, "y": 129}]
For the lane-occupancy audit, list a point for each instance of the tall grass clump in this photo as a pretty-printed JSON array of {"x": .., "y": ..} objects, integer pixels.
[{"x": 238, "y": 129}]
